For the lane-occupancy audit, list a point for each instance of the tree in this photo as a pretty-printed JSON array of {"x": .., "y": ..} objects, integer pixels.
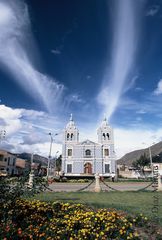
[
  {"x": 58, "y": 163},
  {"x": 140, "y": 163},
  {"x": 12, "y": 189},
  {"x": 157, "y": 158}
]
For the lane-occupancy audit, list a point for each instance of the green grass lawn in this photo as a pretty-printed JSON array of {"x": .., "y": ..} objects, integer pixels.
[{"x": 131, "y": 202}]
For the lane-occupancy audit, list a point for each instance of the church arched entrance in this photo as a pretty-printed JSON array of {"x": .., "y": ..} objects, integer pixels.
[{"x": 88, "y": 168}]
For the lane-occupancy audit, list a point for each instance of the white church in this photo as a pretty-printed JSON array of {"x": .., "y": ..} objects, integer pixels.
[{"x": 88, "y": 158}]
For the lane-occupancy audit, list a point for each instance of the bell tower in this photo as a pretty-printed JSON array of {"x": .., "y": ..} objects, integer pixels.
[
  {"x": 106, "y": 139},
  {"x": 71, "y": 133},
  {"x": 105, "y": 133}
]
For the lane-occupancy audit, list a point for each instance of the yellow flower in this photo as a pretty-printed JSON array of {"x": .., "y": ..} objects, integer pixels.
[
  {"x": 121, "y": 231},
  {"x": 136, "y": 234}
]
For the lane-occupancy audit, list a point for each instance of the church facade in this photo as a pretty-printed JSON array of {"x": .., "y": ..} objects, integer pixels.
[{"x": 88, "y": 158}]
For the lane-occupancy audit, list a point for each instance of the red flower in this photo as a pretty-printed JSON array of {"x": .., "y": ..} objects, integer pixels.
[{"x": 19, "y": 231}]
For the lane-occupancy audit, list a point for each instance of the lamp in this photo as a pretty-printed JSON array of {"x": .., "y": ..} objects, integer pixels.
[
  {"x": 150, "y": 155},
  {"x": 49, "y": 157}
]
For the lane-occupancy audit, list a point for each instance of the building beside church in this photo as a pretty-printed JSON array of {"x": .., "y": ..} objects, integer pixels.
[{"x": 88, "y": 158}]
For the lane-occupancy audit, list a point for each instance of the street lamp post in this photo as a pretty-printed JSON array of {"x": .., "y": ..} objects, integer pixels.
[
  {"x": 151, "y": 161},
  {"x": 55, "y": 162},
  {"x": 2, "y": 135},
  {"x": 150, "y": 155},
  {"x": 49, "y": 157},
  {"x": 31, "y": 175}
]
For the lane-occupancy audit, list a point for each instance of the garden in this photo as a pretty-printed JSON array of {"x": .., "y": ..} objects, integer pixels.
[
  {"x": 33, "y": 214},
  {"x": 40, "y": 220}
]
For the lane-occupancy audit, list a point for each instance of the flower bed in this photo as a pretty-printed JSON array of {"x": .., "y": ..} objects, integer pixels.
[{"x": 40, "y": 220}]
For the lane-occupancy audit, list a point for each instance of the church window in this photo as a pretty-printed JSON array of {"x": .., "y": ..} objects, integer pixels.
[
  {"x": 104, "y": 136},
  {"x": 72, "y": 136},
  {"x": 88, "y": 152},
  {"x": 68, "y": 136},
  {"x": 108, "y": 136},
  {"x": 69, "y": 168},
  {"x": 107, "y": 168},
  {"x": 69, "y": 152},
  {"x": 106, "y": 152}
]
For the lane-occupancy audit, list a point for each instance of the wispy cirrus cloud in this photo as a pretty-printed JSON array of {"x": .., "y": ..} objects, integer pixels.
[
  {"x": 17, "y": 53},
  {"x": 125, "y": 41}
]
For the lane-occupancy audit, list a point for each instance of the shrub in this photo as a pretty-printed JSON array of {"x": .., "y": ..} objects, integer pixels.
[
  {"x": 40, "y": 220},
  {"x": 12, "y": 189}
]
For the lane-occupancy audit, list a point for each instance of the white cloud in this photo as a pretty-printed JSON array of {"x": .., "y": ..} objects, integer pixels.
[
  {"x": 117, "y": 78},
  {"x": 127, "y": 140},
  {"x": 17, "y": 53},
  {"x": 158, "y": 90},
  {"x": 75, "y": 98},
  {"x": 147, "y": 104},
  {"x": 28, "y": 130},
  {"x": 39, "y": 148},
  {"x": 141, "y": 111},
  {"x": 153, "y": 10},
  {"x": 130, "y": 84},
  {"x": 11, "y": 119},
  {"x": 138, "y": 89},
  {"x": 56, "y": 51}
]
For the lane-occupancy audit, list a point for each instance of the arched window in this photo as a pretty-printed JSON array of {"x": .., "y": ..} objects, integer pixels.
[
  {"x": 107, "y": 168},
  {"x": 106, "y": 152},
  {"x": 69, "y": 152},
  {"x": 88, "y": 152},
  {"x": 108, "y": 136},
  {"x": 104, "y": 136},
  {"x": 72, "y": 136},
  {"x": 69, "y": 168},
  {"x": 68, "y": 136}
]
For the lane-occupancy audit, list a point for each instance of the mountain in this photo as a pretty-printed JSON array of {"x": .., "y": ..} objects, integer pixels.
[
  {"x": 36, "y": 158},
  {"x": 156, "y": 153}
]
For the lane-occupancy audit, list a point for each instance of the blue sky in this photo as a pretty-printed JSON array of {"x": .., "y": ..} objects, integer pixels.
[{"x": 90, "y": 58}]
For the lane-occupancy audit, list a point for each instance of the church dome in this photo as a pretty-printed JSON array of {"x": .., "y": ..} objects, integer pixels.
[
  {"x": 104, "y": 123},
  {"x": 71, "y": 123}
]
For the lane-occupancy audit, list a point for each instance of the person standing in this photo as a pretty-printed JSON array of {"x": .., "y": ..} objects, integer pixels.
[{"x": 113, "y": 176}]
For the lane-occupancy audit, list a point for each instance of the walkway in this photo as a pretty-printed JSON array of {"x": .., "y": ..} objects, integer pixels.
[{"x": 121, "y": 186}]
